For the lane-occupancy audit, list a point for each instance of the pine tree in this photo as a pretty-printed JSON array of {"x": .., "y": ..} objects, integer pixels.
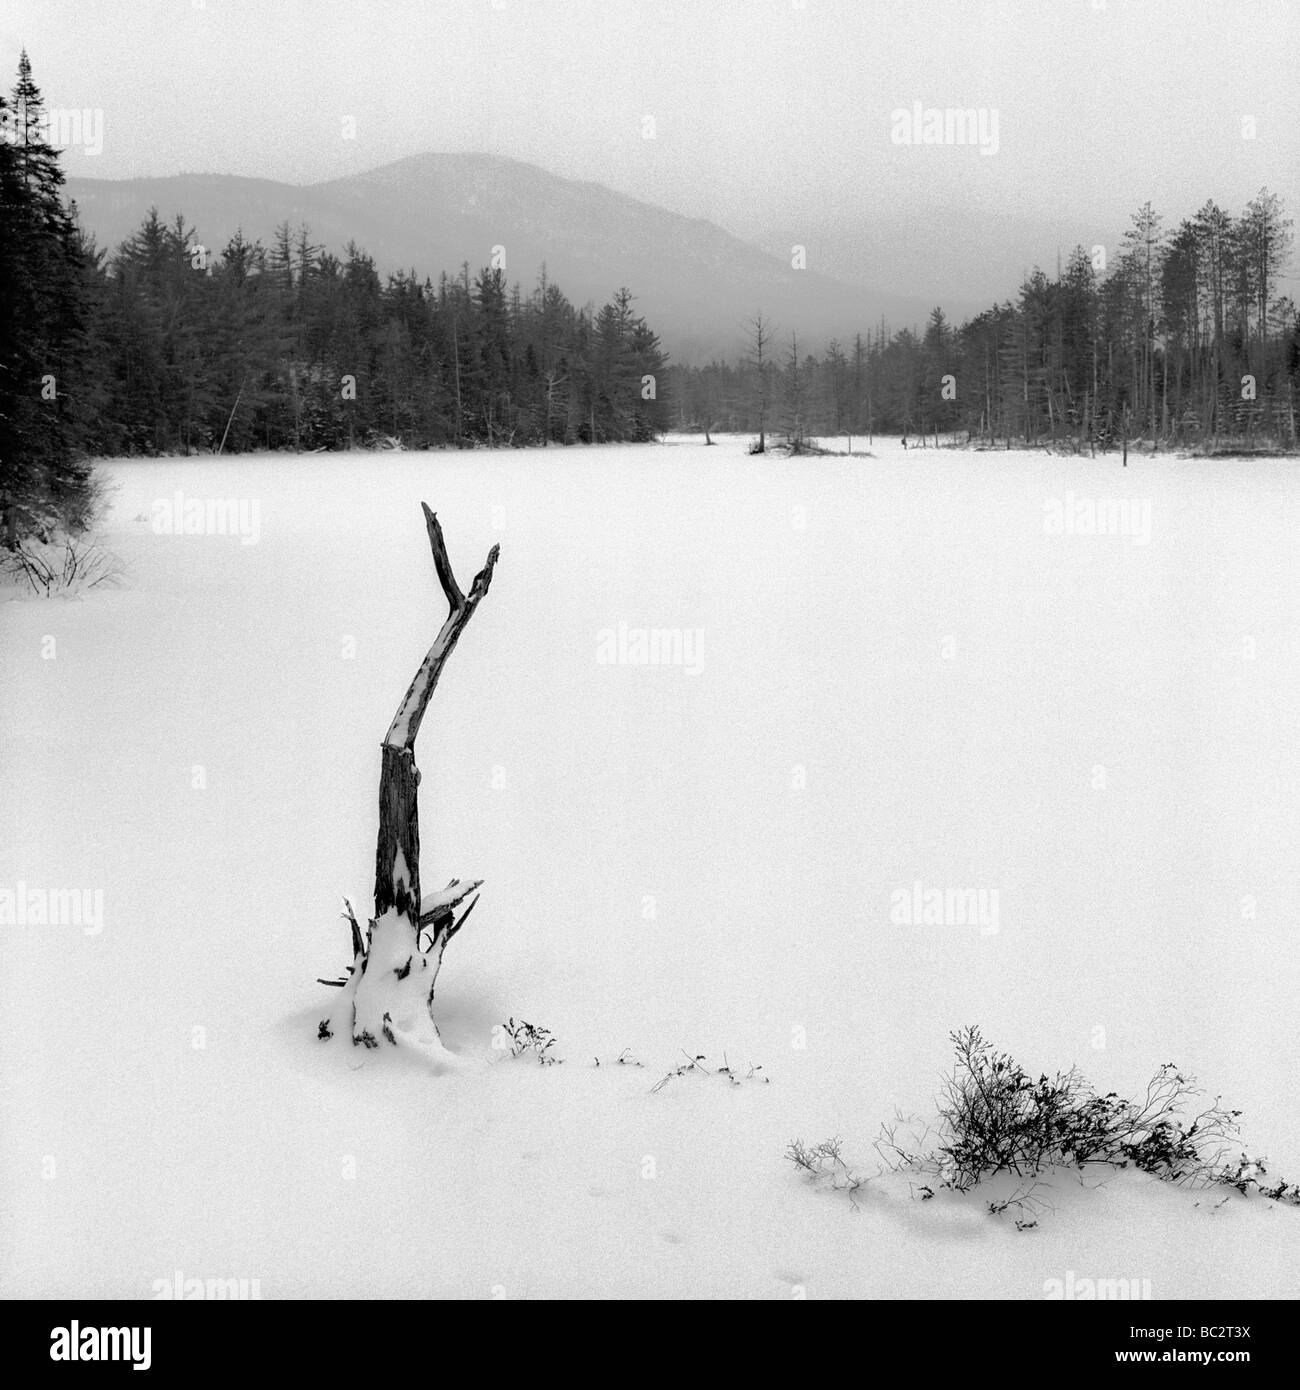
[{"x": 45, "y": 479}]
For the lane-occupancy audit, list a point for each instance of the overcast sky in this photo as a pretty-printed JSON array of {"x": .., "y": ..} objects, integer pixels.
[{"x": 769, "y": 115}]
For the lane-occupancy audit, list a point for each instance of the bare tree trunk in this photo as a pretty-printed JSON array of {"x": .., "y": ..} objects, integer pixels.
[{"x": 389, "y": 991}]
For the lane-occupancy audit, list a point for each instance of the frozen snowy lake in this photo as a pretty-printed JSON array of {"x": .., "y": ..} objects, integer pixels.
[{"x": 874, "y": 673}]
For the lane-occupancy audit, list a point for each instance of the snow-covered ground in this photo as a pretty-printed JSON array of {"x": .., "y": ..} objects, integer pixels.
[{"x": 881, "y": 672}]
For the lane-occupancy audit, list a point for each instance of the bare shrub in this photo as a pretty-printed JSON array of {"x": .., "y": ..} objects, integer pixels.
[
  {"x": 824, "y": 1164},
  {"x": 69, "y": 566},
  {"x": 996, "y": 1119}
]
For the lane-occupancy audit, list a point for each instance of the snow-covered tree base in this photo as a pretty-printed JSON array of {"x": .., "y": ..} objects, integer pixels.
[{"x": 387, "y": 996}]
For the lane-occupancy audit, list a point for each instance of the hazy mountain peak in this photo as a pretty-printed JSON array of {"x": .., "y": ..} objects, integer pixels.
[{"x": 696, "y": 283}]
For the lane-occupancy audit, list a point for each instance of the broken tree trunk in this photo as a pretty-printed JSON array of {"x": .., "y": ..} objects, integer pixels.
[{"x": 388, "y": 993}]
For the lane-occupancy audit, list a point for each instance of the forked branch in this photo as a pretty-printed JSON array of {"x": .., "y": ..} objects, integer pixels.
[{"x": 406, "y": 722}]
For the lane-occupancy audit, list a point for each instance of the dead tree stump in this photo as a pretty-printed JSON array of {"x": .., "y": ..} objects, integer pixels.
[{"x": 387, "y": 994}]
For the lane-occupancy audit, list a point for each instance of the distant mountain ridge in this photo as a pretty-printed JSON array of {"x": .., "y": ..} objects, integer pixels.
[{"x": 695, "y": 283}]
